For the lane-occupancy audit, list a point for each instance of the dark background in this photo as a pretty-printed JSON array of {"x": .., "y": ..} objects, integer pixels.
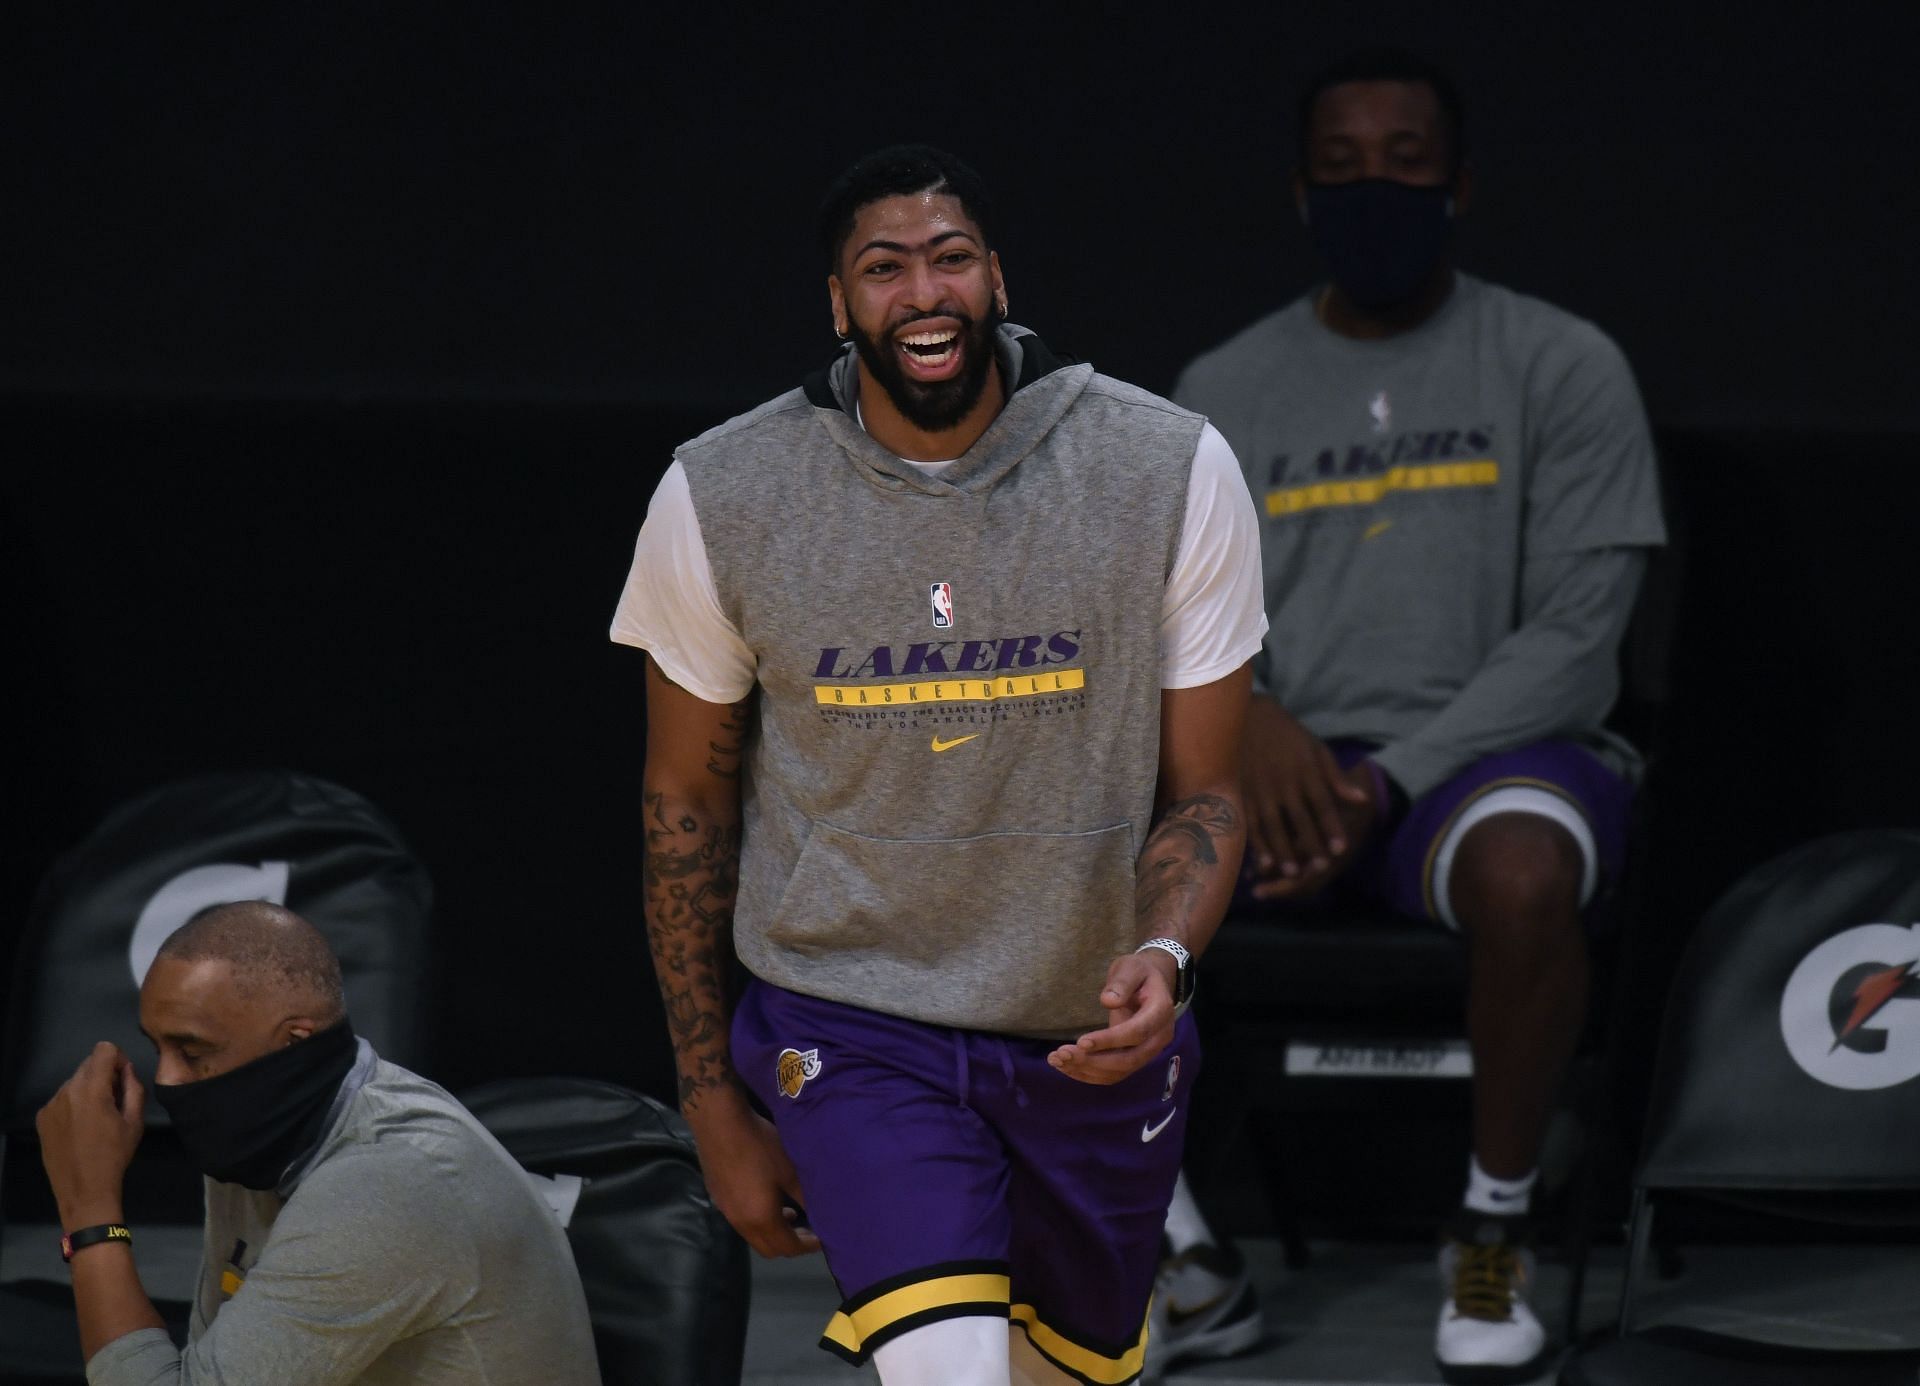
[{"x": 343, "y": 347}]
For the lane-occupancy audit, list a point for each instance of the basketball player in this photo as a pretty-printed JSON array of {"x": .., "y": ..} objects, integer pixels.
[
  {"x": 1458, "y": 490},
  {"x": 925, "y": 635}
]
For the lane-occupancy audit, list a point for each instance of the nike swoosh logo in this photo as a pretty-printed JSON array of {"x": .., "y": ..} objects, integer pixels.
[
  {"x": 1376, "y": 529},
  {"x": 1147, "y": 1132},
  {"x": 939, "y": 745}
]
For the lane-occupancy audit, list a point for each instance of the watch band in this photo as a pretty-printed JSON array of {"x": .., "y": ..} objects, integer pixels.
[
  {"x": 84, "y": 1237},
  {"x": 1175, "y": 949}
]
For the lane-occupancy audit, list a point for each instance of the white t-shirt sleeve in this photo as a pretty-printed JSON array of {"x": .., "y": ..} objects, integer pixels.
[
  {"x": 1212, "y": 618},
  {"x": 670, "y": 607}
]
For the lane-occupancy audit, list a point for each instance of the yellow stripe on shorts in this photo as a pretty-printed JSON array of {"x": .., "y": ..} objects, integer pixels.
[
  {"x": 850, "y": 1332},
  {"x": 1094, "y": 1366}
]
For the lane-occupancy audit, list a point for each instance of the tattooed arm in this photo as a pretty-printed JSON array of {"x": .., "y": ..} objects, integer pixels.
[
  {"x": 692, "y": 797},
  {"x": 1183, "y": 880}
]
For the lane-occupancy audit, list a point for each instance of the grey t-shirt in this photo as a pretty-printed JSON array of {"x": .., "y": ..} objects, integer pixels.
[
  {"x": 410, "y": 1248},
  {"x": 1453, "y": 522}
]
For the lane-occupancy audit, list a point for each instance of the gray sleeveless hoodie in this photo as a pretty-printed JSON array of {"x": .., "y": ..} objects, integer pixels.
[{"x": 952, "y": 763}]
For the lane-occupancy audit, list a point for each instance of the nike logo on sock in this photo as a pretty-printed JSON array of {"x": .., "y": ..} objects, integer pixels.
[{"x": 1148, "y": 1131}]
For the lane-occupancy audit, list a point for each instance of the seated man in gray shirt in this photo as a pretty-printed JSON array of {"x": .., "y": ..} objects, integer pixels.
[
  {"x": 1457, "y": 492},
  {"x": 361, "y": 1226}
]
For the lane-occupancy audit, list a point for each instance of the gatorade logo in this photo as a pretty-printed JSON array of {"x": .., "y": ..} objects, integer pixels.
[
  {"x": 181, "y": 898},
  {"x": 1850, "y": 1014}
]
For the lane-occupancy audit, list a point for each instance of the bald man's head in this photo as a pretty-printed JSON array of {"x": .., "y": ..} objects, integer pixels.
[
  {"x": 271, "y": 953},
  {"x": 236, "y": 982}
]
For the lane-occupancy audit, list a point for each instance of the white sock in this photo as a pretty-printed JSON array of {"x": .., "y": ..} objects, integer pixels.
[
  {"x": 1186, "y": 1228},
  {"x": 1507, "y": 1198},
  {"x": 967, "y": 1351}
]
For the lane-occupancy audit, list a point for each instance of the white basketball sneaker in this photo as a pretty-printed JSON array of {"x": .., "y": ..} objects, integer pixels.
[
  {"x": 1487, "y": 1333},
  {"x": 1203, "y": 1307}
]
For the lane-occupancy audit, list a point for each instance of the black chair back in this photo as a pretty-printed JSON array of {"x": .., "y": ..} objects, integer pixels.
[
  {"x": 666, "y": 1279},
  {"x": 1790, "y": 1055},
  {"x": 103, "y": 910},
  {"x": 1786, "y": 1108}
]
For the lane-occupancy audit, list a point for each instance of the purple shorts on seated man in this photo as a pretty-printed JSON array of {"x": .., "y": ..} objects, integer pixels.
[
  {"x": 1408, "y": 868},
  {"x": 953, "y": 1172}
]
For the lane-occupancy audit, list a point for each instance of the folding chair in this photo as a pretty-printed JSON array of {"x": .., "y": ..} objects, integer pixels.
[{"x": 1786, "y": 1089}]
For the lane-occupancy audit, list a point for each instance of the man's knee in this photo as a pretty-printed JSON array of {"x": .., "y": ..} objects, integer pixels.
[{"x": 1516, "y": 880}]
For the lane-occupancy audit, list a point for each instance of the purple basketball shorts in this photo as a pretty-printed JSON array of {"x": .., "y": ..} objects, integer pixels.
[
  {"x": 953, "y": 1172},
  {"x": 1410, "y": 868}
]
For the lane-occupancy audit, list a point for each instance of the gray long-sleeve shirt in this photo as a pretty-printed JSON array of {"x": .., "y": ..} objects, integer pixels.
[
  {"x": 408, "y": 1248},
  {"x": 1454, "y": 522}
]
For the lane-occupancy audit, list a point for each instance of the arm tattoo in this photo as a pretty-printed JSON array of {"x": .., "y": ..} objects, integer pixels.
[
  {"x": 723, "y": 756},
  {"x": 692, "y": 873},
  {"x": 1180, "y": 861}
]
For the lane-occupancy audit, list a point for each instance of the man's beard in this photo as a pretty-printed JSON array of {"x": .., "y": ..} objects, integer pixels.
[{"x": 933, "y": 406}]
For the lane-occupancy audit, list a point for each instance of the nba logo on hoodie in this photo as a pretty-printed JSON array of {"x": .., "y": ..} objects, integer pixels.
[{"x": 942, "y": 594}]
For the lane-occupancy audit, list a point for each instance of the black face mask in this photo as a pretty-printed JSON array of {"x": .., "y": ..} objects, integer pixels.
[
  {"x": 1381, "y": 239},
  {"x": 247, "y": 1126}
]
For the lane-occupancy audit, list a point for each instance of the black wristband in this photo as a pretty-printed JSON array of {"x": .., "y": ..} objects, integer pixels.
[{"x": 84, "y": 1237}]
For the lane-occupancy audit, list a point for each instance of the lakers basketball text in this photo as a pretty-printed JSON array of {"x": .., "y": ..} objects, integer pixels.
[{"x": 930, "y": 686}]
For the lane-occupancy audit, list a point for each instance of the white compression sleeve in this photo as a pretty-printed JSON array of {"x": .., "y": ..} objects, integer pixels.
[
  {"x": 1517, "y": 798},
  {"x": 969, "y": 1351}
]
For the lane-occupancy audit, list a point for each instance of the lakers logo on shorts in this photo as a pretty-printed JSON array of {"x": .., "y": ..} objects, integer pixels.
[
  {"x": 1173, "y": 1076},
  {"x": 795, "y": 1069}
]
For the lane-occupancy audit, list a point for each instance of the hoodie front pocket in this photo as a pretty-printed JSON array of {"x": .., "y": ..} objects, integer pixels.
[{"x": 1023, "y": 916}]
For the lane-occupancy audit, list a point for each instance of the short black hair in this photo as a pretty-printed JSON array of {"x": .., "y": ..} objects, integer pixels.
[
  {"x": 1388, "y": 64},
  {"x": 897, "y": 171}
]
